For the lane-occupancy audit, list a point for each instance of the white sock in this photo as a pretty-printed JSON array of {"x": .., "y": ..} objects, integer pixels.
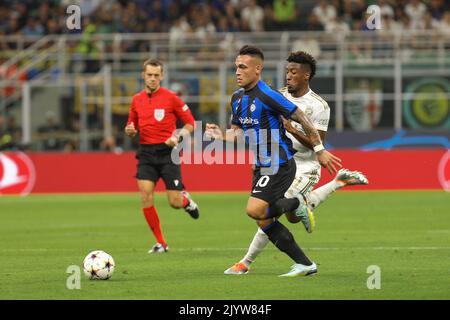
[
  {"x": 316, "y": 197},
  {"x": 259, "y": 242}
]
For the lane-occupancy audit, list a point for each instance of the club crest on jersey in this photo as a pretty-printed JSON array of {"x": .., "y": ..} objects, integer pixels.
[
  {"x": 252, "y": 107},
  {"x": 159, "y": 114}
]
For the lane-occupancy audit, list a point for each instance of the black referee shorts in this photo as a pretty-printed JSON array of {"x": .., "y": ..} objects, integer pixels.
[
  {"x": 271, "y": 188},
  {"x": 154, "y": 162}
]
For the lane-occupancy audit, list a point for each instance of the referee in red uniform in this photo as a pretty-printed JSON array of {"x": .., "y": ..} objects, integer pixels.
[{"x": 153, "y": 113}]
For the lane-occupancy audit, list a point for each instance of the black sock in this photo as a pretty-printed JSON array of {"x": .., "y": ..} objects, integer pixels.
[
  {"x": 283, "y": 239},
  {"x": 282, "y": 206}
]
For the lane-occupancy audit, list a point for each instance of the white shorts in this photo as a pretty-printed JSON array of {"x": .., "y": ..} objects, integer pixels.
[{"x": 306, "y": 177}]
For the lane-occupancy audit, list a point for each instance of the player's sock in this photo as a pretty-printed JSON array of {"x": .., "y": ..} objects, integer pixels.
[
  {"x": 259, "y": 242},
  {"x": 185, "y": 200},
  {"x": 153, "y": 221},
  {"x": 316, "y": 197},
  {"x": 282, "y": 206},
  {"x": 283, "y": 239}
]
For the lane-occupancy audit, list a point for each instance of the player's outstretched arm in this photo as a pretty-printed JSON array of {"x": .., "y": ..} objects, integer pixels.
[
  {"x": 311, "y": 132},
  {"x": 213, "y": 131},
  {"x": 300, "y": 136},
  {"x": 325, "y": 158}
]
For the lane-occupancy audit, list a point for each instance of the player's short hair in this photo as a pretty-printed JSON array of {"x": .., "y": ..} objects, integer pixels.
[
  {"x": 153, "y": 62},
  {"x": 253, "y": 51},
  {"x": 305, "y": 59}
]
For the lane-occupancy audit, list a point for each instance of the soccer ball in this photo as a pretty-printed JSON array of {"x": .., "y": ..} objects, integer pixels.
[{"x": 98, "y": 265}]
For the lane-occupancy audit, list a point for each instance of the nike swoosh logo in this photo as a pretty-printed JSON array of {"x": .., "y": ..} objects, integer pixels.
[{"x": 255, "y": 191}]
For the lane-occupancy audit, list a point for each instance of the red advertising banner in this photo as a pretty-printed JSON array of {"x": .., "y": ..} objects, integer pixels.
[{"x": 22, "y": 173}]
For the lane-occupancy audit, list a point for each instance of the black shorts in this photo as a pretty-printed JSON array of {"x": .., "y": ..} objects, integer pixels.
[
  {"x": 154, "y": 162},
  {"x": 271, "y": 188}
]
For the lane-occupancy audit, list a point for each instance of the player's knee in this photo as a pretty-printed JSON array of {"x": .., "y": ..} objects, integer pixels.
[
  {"x": 174, "y": 203},
  {"x": 146, "y": 199},
  {"x": 292, "y": 218},
  {"x": 255, "y": 213}
]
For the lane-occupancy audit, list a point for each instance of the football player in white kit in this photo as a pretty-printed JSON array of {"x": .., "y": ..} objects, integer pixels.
[{"x": 300, "y": 70}]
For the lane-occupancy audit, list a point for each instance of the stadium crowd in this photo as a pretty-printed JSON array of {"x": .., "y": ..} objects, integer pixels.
[
  {"x": 38, "y": 18},
  {"x": 199, "y": 18}
]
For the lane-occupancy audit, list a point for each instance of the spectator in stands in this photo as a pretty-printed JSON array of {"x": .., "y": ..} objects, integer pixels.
[
  {"x": 4, "y": 47},
  {"x": 337, "y": 26},
  {"x": 436, "y": 8},
  {"x": 314, "y": 24},
  {"x": 73, "y": 144},
  {"x": 415, "y": 10},
  {"x": 233, "y": 16},
  {"x": 179, "y": 30},
  {"x": 14, "y": 129},
  {"x": 358, "y": 11},
  {"x": 325, "y": 12},
  {"x": 43, "y": 13},
  {"x": 88, "y": 50},
  {"x": 385, "y": 8},
  {"x": 443, "y": 27},
  {"x": 4, "y": 16},
  {"x": 33, "y": 27},
  {"x": 202, "y": 24},
  {"x": 50, "y": 131},
  {"x": 388, "y": 25},
  {"x": 428, "y": 22},
  {"x": 108, "y": 144},
  {"x": 5, "y": 137},
  {"x": 88, "y": 7},
  {"x": 285, "y": 14},
  {"x": 252, "y": 17}
]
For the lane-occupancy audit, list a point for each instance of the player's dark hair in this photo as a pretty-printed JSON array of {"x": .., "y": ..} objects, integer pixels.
[
  {"x": 251, "y": 51},
  {"x": 305, "y": 59},
  {"x": 154, "y": 63}
]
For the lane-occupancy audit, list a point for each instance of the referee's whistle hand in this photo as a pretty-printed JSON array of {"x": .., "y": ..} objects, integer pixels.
[
  {"x": 130, "y": 130},
  {"x": 172, "y": 141}
]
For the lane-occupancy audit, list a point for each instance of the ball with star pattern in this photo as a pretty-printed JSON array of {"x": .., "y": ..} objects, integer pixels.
[{"x": 98, "y": 265}]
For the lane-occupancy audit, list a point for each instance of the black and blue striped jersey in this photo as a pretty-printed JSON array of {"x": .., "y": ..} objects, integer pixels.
[{"x": 257, "y": 111}]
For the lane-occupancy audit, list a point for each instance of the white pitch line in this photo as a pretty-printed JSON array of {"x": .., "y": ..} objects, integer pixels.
[{"x": 233, "y": 249}]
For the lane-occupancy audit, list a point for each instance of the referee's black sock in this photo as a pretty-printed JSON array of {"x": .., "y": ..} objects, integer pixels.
[
  {"x": 283, "y": 239},
  {"x": 282, "y": 206}
]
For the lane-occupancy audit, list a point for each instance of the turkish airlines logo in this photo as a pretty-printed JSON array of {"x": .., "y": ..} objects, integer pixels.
[
  {"x": 444, "y": 171},
  {"x": 17, "y": 174}
]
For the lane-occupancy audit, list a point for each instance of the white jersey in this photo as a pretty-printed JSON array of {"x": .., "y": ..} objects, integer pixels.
[
  {"x": 308, "y": 167},
  {"x": 317, "y": 111}
]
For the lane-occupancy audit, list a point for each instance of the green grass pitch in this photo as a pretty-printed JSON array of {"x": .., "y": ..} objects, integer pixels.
[{"x": 406, "y": 234}]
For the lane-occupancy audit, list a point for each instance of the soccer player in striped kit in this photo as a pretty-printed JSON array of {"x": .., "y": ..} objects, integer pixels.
[
  {"x": 256, "y": 111},
  {"x": 153, "y": 113},
  {"x": 300, "y": 69}
]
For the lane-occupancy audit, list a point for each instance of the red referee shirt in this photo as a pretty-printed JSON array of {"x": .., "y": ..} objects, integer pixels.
[{"x": 155, "y": 115}]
